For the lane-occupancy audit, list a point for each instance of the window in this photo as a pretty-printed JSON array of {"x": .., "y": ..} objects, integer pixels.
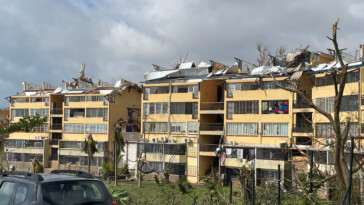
[
  {"x": 156, "y": 90},
  {"x": 178, "y": 127},
  {"x": 240, "y": 153},
  {"x": 175, "y": 149},
  {"x": 249, "y": 86},
  {"x": 352, "y": 77},
  {"x": 155, "y": 165},
  {"x": 326, "y": 130},
  {"x": 97, "y": 112},
  {"x": 96, "y": 128},
  {"x": 39, "y": 99},
  {"x": 192, "y": 127},
  {"x": 155, "y": 127},
  {"x": 186, "y": 89},
  {"x": 146, "y": 93},
  {"x": 155, "y": 108},
  {"x": 19, "y": 113},
  {"x": 275, "y": 129},
  {"x": 326, "y": 104},
  {"x": 324, "y": 81},
  {"x": 21, "y": 194},
  {"x": 74, "y": 99},
  {"x": 73, "y": 192},
  {"x": 6, "y": 190},
  {"x": 73, "y": 128},
  {"x": 242, "y": 107},
  {"x": 184, "y": 108},
  {"x": 176, "y": 168},
  {"x": 271, "y": 85},
  {"x": 194, "y": 110},
  {"x": 349, "y": 103},
  {"x": 41, "y": 128},
  {"x": 44, "y": 112},
  {"x": 95, "y": 98},
  {"x": 242, "y": 129},
  {"x": 22, "y": 157},
  {"x": 19, "y": 100},
  {"x": 271, "y": 154},
  {"x": 230, "y": 90},
  {"x": 275, "y": 107}
]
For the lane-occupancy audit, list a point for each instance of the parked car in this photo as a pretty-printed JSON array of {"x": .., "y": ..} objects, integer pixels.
[{"x": 60, "y": 187}]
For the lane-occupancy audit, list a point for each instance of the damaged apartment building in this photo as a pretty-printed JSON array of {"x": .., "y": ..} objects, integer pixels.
[
  {"x": 201, "y": 116},
  {"x": 73, "y": 111}
]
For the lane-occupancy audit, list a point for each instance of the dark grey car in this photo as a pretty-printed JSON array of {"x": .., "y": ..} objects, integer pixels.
[{"x": 57, "y": 188}]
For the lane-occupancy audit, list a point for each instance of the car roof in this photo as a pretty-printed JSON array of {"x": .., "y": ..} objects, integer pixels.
[
  {"x": 62, "y": 177},
  {"x": 55, "y": 175}
]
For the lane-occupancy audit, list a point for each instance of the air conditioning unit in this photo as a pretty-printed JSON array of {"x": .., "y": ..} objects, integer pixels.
[
  {"x": 232, "y": 142},
  {"x": 164, "y": 139},
  {"x": 348, "y": 144},
  {"x": 283, "y": 145},
  {"x": 171, "y": 140},
  {"x": 328, "y": 141},
  {"x": 187, "y": 140},
  {"x": 38, "y": 137},
  {"x": 155, "y": 139}
]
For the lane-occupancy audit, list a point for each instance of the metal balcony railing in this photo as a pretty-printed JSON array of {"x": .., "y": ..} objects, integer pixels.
[
  {"x": 212, "y": 106},
  {"x": 56, "y": 127},
  {"x": 300, "y": 104},
  {"x": 302, "y": 128},
  {"x": 208, "y": 147},
  {"x": 57, "y": 111},
  {"x": 212, "y": 127}
]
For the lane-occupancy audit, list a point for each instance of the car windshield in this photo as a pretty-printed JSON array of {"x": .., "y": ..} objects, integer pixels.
[{"x": 73, "y": 193}]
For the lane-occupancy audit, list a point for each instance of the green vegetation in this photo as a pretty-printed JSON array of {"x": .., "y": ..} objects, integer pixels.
[{"x": 90, "y": 149}]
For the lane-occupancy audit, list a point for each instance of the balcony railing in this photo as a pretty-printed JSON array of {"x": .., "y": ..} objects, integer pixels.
[
  {"x": 302, "y": 128},
  {"x": 56, "y": 127},
  {"x": 54, "y": 157},
  {"x": 57, "y": 111},
  {"x": 300, "y": 104},
  {"x": 208, "y": 147},
  {"x": 212, "y": 106},
  {"x": 53, "y": 142},
  {"x": 212, "y": 127}
]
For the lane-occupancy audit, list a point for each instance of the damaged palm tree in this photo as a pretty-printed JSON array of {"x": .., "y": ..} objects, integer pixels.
[
  {"x": 90, "y": 149},
  {"x": 119, "y": 144},
  {"x": 340, "y": 135}
]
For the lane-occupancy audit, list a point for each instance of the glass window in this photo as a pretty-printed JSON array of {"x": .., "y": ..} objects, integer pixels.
[
  {"x": 96, "y": 128},
  {"x": 192, "y": 127},
  {"x": 19, "y": 113},
  {"x": 275, "y": 107},
  {"x": 242, "y": 107},
  {"x": 155, "y": 127},
  {"x": 73, "y": 128},
  {"x": 242, "y": 129},
  {"x": 43, "y": 112},
  {"x": 146, "y": 93},
  {"x": 275, "y": 129},
  {"x": 73, "y": 192},
  {"x": 178, "y": 127},
  {"x": 21, "y": 194},
  {"x": 6, "y": 190}
]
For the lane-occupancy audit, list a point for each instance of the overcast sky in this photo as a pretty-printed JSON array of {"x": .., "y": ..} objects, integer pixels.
[{"x": 48, "y": 40}]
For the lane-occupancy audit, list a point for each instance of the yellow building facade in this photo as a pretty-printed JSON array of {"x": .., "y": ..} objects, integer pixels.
[{"x": 72, "y": 113}]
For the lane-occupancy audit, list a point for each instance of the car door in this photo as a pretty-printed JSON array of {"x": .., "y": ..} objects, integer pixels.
[{"x": 6, "y": 191}]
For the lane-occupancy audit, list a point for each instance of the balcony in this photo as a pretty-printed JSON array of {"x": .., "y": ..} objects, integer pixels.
[
  {"x": 56, "y": 127},
  {"x": 212, "y": 108},
  {"x": 208, "y": 149},
  {"x": 212, "y": 128},
  {"x": 301, "y": 106},
  {"x": 57, "y": 111},
  {"x": 303, "y": 128},
  {"x": 53, "y": 142}
]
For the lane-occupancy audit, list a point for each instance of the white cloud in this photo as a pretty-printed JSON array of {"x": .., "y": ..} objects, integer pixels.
[{"x": 48, "y": 40}]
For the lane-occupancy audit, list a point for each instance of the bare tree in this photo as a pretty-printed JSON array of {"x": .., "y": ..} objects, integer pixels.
[
  {"x": 264, "y": 55},
  {"x": 340, "y": 135}
]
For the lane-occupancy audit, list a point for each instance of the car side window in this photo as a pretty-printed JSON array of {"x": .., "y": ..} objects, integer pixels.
[
  {"x": 6, "y": 190},
  {"x": 21, "y": 194}
]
